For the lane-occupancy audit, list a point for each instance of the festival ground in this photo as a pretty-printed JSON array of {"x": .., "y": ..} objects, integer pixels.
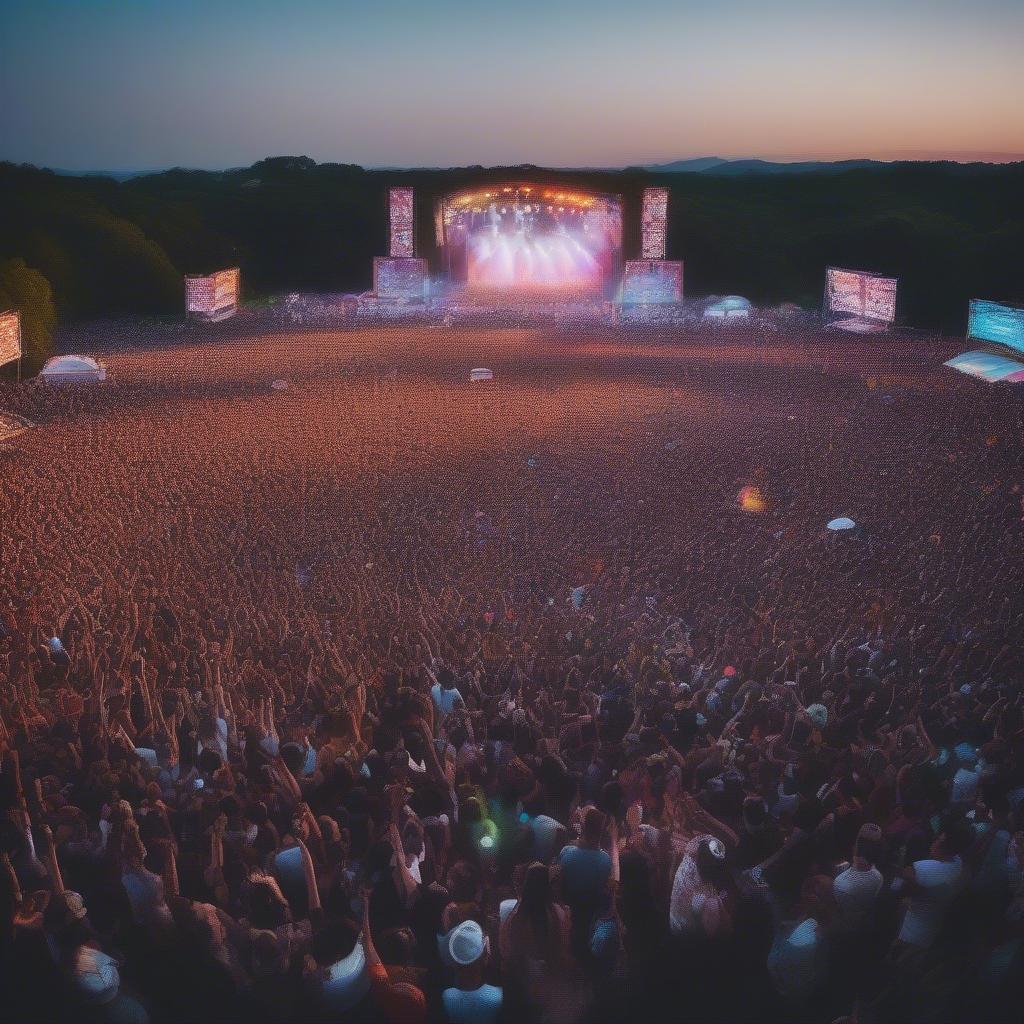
[{"x": 587, "y": 453}]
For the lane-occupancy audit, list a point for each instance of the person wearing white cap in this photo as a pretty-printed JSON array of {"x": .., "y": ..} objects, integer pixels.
[
  {"x": 699, "y": 904},
  {"x": 470, "y": 1000},
  {"x": 818, "y": 714}
]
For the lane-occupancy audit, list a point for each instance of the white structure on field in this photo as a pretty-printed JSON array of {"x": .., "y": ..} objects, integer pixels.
[{"x": 73, "y": 369}]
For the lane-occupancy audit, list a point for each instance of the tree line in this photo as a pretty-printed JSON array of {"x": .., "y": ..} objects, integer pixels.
[{"x": 75, "y": 248}]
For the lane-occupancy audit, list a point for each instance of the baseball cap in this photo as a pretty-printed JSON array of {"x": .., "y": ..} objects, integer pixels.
[
  {"x": 818, "y": 714},
  {"x": 467, "y": 943}
]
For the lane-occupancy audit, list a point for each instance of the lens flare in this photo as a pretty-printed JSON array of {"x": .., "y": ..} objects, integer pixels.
[{"x": 752, "y": 500}]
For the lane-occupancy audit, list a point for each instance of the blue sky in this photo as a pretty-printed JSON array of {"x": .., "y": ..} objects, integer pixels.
[{"x": 113, "y": 84}]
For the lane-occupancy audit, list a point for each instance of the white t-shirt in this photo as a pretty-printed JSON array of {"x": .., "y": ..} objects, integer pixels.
[
  {"x": 95, "y": 974},
  {"x": 145, "y": 892},
  {"x": 856, "y": 892},
  {"x": 545, "y": 837},
  {"x": 796, "y": 960},
  {"x": 479, "y": 1006},
  {"x": 148, "y": 754},
  {"x": 219, "y": 742},
  {"x": 937, "y": 884},
  {"x": 690, "y": 894},
  {"x": 965, "y": 785},
  {"x": 445, "y": 700},
  {"x": 505, "y": 908},
  {"x": 347, "y": 981}
]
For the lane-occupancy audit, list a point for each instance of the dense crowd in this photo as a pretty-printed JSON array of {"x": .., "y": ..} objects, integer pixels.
[{"x": 376, "y": 699}]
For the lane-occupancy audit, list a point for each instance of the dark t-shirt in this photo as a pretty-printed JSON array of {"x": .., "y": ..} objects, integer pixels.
[{"x": 585, "y": 874}]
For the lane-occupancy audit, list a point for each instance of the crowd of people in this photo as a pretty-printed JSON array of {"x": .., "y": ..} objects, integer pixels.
[{"x": 379, "y": 697}]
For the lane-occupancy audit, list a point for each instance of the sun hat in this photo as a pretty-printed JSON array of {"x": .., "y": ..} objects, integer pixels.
[{"x": 467, "y": 943}]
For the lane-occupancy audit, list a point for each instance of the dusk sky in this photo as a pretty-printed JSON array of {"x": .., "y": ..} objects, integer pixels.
[{"x": 133, "y": 84}]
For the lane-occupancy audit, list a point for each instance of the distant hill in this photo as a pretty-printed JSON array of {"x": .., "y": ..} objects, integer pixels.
[
  {"x": 694, "y": 166},
  {"x": 710, "y": 165},
  {"x": 716, "y": 165}
]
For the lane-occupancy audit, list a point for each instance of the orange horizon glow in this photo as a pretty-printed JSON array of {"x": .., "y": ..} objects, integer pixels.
[{"x": 595, "y": 84}]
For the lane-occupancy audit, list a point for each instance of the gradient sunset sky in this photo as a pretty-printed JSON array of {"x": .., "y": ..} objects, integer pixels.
[{"x": 133, "y": 84}]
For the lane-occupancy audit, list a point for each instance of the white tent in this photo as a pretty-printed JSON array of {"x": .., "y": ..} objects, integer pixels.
[
  {"x": 480, "y": 373},
  {"x": 731, "y": 307},
  {"x": 73, "y": 369},
  {"x": 842, "y": 523}
]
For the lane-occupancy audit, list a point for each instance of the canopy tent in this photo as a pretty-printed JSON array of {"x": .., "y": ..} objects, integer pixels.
[
  {"x": 73, "y": 369},
  {"x": 842, "y": 523},
  {"x": 732, "y": 306},
  {"x": 480, "y": 373},
  {"x": 11, "y": 425},
  {"x": 988, "y": 366}
]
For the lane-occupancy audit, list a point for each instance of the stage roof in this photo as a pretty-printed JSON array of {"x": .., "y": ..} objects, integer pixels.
[{"x": 527, "y": 192}]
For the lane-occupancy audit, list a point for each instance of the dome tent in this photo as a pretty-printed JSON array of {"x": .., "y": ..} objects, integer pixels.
[
  {"x": 730, "y": 307},
  {"x": 72, "y": 369}
]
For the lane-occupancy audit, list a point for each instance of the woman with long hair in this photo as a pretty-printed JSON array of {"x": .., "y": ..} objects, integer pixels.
[{"x": 535, "y": 947}]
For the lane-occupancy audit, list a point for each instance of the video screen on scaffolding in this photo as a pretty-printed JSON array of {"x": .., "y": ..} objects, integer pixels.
[
  {"x": 992, "y": 321},
  {"x": 862, "y": 294},
  {"x": 652, "y": 282},
  {"x": 399, "y": 277},
  {"x": 10, "y": 336}
]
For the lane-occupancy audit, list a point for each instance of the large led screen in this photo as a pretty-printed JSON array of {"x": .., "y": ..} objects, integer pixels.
[
  {"x": 652, "y": 282},
  {"x": 10, "y": 336},
  {"x": 400, "y": 208},
  {"x": 214, "y": 296},
  {"x": 861, "y": 294},
  {"x": 401, "y": 278},
  {"x": 199, "y": 292},
  {"x": 653, "y": 224},
  {"x": 225, "y": 288},
  {"x": 990, "y": 321}
]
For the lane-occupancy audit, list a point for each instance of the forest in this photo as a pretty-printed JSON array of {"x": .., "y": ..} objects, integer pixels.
[{"x": 77, "y": 248}]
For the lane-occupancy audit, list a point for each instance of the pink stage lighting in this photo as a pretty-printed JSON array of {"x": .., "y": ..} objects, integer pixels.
[{"x": 529, "y": 238}]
